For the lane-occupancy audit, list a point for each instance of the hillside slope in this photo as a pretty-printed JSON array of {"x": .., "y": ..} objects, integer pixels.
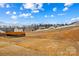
[{"x": 64, "y": 41}]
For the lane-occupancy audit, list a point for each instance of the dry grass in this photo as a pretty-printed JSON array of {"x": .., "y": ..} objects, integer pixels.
[{"x": 57, "y": 42}]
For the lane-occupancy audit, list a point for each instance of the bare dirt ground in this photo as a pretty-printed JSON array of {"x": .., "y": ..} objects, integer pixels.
[{"x": 57, "y": 42}]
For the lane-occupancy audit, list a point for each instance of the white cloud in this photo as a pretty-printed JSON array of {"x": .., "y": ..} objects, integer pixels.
[
  {"x": 48, "y": 15},
  {"x": 68, "y": 4},
  {"x": 34, "y": 7},
  {"x": 15, "y": 22},
  {"x": 35, "y": 11},
  {"x": 54, "y": 9},
  {"x": 21, "y": 8},
  {"x": 7, "y": 6},
  {"x": 65, "y": 9},
  {"x": 14, "y": 12},
  {"x": 13, "y": 17},
  {"x": 32, "y": 16},
  {"x": 2, "y": 5},
  {"x": 28, "y": 5},
  {"x": 22, "y": 15},
  {"x": 8, "y": 12},
  {"x": 45, "y": 16},
  {"x": 52, "y": 15},
  {"x": 61, "y": 14},
  {"x": 25, "y": 15},
  {"x": 75, "y": 19},
  {"x": 40, "y": 5}
]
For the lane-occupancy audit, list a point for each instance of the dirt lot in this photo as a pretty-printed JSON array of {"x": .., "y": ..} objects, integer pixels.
[{"x": 56, "y": 42}]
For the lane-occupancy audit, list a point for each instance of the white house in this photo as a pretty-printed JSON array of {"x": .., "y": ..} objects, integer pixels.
[{"x": 18, "y": 30}]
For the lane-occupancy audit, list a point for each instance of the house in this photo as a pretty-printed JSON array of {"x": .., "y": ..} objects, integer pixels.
[{"x": 18, "y": 30}]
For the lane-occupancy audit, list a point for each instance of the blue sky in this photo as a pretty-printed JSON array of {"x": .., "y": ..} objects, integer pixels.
[{"x": 39, "y": 13}]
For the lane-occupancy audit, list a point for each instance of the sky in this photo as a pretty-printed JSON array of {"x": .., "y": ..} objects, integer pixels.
[{"x": 39, "y": 13}]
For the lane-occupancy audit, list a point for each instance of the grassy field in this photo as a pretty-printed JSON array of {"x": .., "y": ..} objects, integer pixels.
[{"x": 56, "y": 42}]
